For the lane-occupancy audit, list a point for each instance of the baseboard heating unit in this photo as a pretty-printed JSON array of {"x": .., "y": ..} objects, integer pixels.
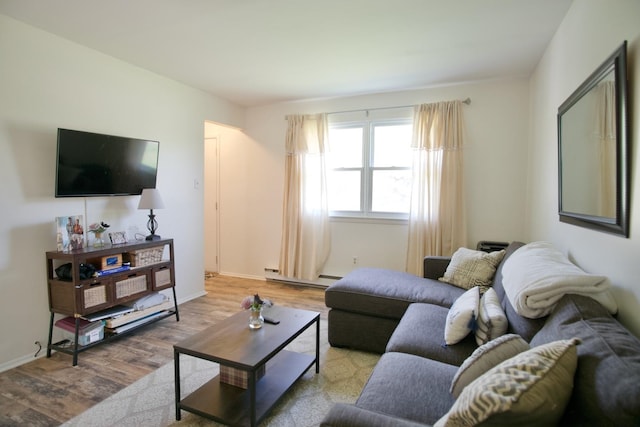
[{"x": 324, "y": 281}]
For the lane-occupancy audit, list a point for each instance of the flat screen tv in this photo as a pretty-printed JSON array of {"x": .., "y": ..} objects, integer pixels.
[{"x": 92, "y": 164}]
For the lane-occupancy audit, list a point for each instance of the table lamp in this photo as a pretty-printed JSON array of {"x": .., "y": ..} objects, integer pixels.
[{"x": 151, "y": 200}]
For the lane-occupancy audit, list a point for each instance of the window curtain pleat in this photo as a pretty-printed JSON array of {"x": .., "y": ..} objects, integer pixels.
[
  {"x": 437, "y": 220},
  {"x": 305, "y": 222}
]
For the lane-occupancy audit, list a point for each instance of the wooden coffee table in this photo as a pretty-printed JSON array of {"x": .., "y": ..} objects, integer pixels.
[{"x": 231, "y": 343}]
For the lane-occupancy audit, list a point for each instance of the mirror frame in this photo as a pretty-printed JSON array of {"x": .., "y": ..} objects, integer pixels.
[{"x": 617, "y": 63}]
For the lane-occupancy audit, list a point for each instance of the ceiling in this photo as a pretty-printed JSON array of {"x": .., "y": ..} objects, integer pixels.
[{"x": 258, "y": 52}]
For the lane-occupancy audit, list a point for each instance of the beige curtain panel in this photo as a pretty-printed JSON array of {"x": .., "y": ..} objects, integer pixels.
[
  {"x": 606, "y": 134},
  {"x": 305, "y": 222},
  {"x": 437, "y": 222}
]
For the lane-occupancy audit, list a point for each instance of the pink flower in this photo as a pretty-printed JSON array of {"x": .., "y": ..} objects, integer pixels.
[
  {"x": 98, "y": 227},
  {"x": 254, "y": 302},
  {"x": 246, "y": 303}
]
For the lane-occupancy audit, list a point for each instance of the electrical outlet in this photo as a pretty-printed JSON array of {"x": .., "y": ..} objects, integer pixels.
[{"x": 355, "y": 260}]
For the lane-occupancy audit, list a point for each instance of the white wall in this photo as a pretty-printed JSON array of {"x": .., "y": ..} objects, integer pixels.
[
  {"x": 252, "y": 174},
  {"x": 47, "y": 82},
  {"x": 590, "y": 32}
]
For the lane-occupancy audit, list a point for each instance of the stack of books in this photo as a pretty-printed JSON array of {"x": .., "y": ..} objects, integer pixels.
[
  {"x": 131, "y": 319},
  {"x": 118, "y": 269},
  {"x": 110, "y": 264}
]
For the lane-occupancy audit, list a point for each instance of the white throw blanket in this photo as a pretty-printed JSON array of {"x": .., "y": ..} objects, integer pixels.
[{"x": 537, "y": 275}]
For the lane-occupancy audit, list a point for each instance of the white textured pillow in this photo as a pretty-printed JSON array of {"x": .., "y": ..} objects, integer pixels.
[
  {"x": 530, "y": 389},
  {"x": 469, "y": 268},
  {"x": 492, "y": 322},
  {"x": 486, "y": 357},
  {"x": 461, "y": 318}
]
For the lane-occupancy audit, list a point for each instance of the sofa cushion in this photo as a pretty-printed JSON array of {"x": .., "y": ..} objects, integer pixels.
[
  {"x": 530, "y": 389},
  {"x": 410, "y": 387},
  {"x": 486, "y": 357},
  {"x": 519, "y": 325},
  {"x": 387, "y": 293},
  {"x": 607, "y": 380},
  {"x": 343, "y": 414},
  {"x": 461, "y": 319},
  {"x": 492, "y": 322},
  {"x": 421, "y": 331},
  {"x": 497, "y": 278},
  {"x": 469, "y": 268}
]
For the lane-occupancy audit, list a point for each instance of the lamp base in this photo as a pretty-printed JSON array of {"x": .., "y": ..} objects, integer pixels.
[{"x": 153, "y": 237}]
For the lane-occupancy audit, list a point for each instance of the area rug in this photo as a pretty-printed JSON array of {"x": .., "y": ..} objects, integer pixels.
[{"x": 150, "y": 401}]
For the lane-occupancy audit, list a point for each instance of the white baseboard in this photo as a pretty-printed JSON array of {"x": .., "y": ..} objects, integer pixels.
[
  {"x": 241, "y": 275},
  {"x": 21, "y": 360},
  {"x": 195, "y": 295}
]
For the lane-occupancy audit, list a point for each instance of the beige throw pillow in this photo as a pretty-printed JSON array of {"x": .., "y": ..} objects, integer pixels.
[
  {"x": 531, "y": 388},
  {"x": 492, "y": 322},
  {"x": 461, "y": 318},
  {"x": 486, "y": 357},
  {"x": 469, "y": 268}
]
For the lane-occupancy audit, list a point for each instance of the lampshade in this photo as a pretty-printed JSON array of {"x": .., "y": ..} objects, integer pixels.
[{"x": 150, "y": 199}]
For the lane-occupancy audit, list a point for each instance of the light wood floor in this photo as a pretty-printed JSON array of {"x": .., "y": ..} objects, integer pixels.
[{"x": 50, "y": 391}]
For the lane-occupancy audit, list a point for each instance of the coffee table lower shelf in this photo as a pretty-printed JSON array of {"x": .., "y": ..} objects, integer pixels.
[{"x": 231, "y": 405}]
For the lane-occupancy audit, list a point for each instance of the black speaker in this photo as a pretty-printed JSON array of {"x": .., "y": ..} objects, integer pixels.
[{"x": 489, "y": 246}]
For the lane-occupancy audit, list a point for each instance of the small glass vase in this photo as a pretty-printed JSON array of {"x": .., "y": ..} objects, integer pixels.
[
  {"x": 98, "y": 242},
  {"x": 255, "y": 318}
]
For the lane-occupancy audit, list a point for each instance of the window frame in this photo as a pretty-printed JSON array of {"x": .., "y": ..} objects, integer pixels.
[{"x": 367, "y": 122}]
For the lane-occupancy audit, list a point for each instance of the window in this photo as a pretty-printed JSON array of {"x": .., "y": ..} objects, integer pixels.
[{"x": 369, "y": 165}]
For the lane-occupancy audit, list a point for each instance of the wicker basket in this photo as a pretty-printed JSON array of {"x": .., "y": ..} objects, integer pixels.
[
  {"x": 237, "y": 377},
  {"x": 95, "y": 295},
  {"x": 163, "y": 277},
  {"x": 143, "y": 257},
  {"x": 131, "y": 286}
]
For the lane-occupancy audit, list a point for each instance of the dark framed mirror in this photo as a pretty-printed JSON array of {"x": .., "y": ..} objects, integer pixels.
[{"x": 593, "y": 150}]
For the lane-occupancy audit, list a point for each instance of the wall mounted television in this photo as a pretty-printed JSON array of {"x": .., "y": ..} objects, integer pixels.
[{"x": 91, "y": 164}]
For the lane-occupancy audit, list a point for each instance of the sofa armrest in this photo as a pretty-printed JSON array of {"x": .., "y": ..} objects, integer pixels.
[
  {"x": 342, "y": 414},
  {"x": 435, "y": 266}
]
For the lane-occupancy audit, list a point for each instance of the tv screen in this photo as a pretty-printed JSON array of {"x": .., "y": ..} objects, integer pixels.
[{"x": 92, "y": 164}]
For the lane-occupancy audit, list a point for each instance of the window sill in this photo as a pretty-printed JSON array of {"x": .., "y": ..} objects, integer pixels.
[{"x": 369, "y": 220}]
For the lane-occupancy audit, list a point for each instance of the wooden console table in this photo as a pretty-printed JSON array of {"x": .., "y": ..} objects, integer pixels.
[{"x": 81, "y": 297}]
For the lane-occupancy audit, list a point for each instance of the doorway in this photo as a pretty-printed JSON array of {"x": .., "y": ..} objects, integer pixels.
[{"x": 211, "y": 201}]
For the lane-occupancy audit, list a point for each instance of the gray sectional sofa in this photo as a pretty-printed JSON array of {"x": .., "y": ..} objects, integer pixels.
[{"x": 403, "y": 317}]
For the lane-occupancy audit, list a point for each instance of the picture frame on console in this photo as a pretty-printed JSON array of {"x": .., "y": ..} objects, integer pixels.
[
  {"x": 70, "y": 233},
  {"x": 118, "y": 237}
]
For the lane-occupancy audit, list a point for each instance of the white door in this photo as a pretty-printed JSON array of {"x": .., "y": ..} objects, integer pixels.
[{"x": 211, "y": 211}]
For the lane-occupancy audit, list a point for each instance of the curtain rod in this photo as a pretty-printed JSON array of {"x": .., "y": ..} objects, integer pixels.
[{"x": 466, "y": 101}]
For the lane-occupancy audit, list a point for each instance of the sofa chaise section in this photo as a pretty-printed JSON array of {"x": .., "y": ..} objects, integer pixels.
[{"x": 368, "y": 303}]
